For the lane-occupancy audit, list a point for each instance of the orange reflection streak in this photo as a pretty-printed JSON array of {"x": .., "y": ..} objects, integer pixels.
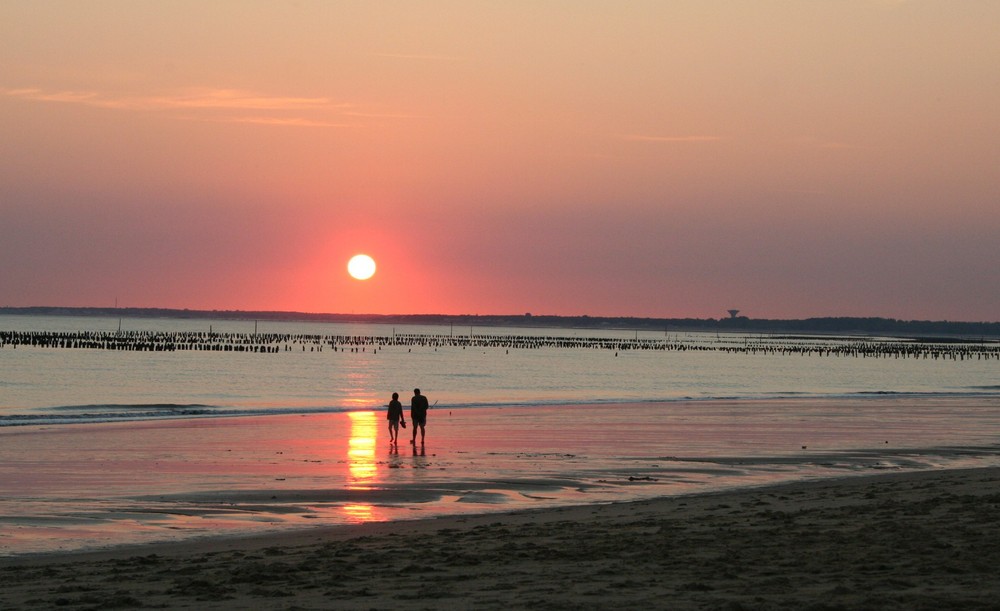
[
  {"x": 361, "y": 463},
  {"x": 358, "y": 512},
  {"x": 361, "y": 450}
]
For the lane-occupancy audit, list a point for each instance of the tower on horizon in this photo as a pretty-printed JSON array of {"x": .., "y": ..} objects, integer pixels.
[{"x": 733, "y": 313}]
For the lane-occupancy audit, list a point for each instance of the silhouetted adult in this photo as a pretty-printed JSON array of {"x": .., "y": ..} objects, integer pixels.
[
  {"x": 418, "y": 415},
  {"x": 395, "y": 416}
]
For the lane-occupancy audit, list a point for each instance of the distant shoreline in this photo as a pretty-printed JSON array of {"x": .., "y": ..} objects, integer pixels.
[{"x": 922, "y": 329}]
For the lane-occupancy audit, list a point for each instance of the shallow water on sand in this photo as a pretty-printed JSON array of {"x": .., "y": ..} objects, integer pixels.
[{"x": 83, "y": 486}]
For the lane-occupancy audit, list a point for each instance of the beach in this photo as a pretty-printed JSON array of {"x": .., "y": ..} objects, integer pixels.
[
  {"x": 550, "y": 478},
  {"x": 912, "y": 540}
]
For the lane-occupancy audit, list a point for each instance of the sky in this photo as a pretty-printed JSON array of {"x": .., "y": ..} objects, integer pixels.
[{"x": 661, "y": 158}]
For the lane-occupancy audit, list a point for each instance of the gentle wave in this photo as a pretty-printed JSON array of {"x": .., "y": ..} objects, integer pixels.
[
  {"x": 153, "y": 407},
  {"x": 96, "y": 414},
  {"x": 90, "y": 414}
]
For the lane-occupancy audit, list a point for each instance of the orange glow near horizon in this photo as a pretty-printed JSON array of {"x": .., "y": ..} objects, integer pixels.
[{"x": 318, "y": 282}]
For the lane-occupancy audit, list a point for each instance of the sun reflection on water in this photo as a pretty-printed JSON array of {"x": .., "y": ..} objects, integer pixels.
[
  {"x": 358, "y": 512},
  {"x": 362, "y": 466},
  {"x": 361, "y": 450}
]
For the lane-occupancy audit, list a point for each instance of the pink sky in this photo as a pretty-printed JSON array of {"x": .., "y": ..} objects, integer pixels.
[{"x": 664, "y": 159}]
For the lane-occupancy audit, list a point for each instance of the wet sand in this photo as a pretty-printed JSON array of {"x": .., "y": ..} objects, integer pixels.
[
  {"x": 70, "y": 488},
  {"x": 917, "y": 540}
]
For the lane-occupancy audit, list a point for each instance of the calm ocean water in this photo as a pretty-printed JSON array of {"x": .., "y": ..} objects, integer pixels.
[
  {"x": 50, "y": 385},
  {"x": 111, "y": 447}
]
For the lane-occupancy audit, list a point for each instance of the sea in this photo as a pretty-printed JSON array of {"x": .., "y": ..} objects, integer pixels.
[{"x": 127, "y": 431}]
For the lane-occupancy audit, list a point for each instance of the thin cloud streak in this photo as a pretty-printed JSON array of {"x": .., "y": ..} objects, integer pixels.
[
  {"x": 417, "y": 56},
  {"x": 693, "y": 139},
  {"x": 822, "y": 144},
  {"x": 209, "y": 99},
  {"x": 381, "y": 115},
  {"x": 276, "y": 121}
]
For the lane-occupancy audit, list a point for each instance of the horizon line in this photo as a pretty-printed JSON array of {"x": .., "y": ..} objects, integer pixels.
[{"x": 525, "y": 316}]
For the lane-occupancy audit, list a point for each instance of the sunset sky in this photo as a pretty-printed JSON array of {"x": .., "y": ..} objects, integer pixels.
[{"x": 663, "y": 158}]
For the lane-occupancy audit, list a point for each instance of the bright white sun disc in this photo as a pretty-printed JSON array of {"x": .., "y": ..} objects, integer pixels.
[{"x": 361, "y": 267}]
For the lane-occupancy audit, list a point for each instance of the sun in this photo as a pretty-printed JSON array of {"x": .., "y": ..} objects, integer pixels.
[{"x": 361, "y": 267}]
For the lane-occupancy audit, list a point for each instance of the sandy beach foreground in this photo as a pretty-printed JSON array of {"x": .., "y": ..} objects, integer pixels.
[{"x": 922, "y": 540}]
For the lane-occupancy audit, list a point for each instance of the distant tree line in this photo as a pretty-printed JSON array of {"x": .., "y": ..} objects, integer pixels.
[{"x": 939, "y": 330}]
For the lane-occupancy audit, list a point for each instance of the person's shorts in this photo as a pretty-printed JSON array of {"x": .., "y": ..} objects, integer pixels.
[
  {"x": 394, "y": 421},
  {"x": 418, "y": 421}
]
